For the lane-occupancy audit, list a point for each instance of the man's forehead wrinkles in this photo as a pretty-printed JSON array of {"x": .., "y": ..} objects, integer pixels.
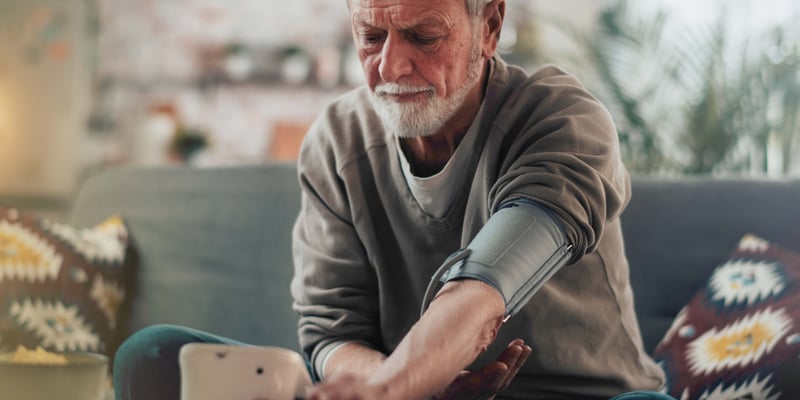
[{"x": 386, "y": 18}]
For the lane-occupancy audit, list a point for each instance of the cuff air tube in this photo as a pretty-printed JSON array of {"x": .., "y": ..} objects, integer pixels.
[{"x": 521, "y": 246}]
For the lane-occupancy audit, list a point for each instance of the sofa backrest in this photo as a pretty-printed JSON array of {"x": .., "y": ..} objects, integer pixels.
[
  {"x": 213, "y": 246},
  {"x": 678, "y": 230}
]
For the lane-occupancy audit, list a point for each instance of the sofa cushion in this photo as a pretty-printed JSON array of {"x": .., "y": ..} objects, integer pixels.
[
  {"x": 678, "y": 229},
  {"x": 739, "y": 336},
  {"x": 61, "y": 287}
]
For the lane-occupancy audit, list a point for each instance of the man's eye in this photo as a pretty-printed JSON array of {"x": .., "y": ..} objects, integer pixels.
[
  {"x": 372, "y": 39},
  {"x": 424, "y": 40}
]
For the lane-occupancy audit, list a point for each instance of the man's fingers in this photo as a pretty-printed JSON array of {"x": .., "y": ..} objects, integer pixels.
[
  {"x": 521, "y": 351},
  {"x": 481, "y": 384},
  {"x": 341, "y": 388},
  {"x": 510, "y": 356},
  {"x": 491, "y": 378}
]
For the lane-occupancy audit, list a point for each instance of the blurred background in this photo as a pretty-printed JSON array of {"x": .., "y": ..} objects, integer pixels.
[{"x": 696, "y": 87}]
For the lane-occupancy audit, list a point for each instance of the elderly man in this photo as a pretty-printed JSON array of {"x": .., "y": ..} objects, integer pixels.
[
  {"x": 449, "y": 148},
  {"x": 456, "y": 213}
]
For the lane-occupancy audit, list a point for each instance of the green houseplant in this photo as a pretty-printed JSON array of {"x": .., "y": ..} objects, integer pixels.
[{"x": 691, "y": 101}]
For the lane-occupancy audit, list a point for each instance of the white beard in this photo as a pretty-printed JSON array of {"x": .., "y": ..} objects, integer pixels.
[{"x": 423, "y": 118}]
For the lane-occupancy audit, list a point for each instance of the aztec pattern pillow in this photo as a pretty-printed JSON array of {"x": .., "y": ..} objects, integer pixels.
[
  {"x": 739, "y": 337},
  {"x": 61, "y": 287}
]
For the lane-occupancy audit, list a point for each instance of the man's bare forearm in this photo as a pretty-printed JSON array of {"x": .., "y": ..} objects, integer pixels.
[
  {"x": 460, "y": 323},
  {"x": 353, "y": 359}
]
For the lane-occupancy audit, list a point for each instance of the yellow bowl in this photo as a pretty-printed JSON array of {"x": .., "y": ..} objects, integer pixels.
[{"x": 82, "y": 378}]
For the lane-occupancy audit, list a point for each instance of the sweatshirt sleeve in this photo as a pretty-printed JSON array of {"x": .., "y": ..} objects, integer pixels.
[
  {"x": 561, "y": 149},
  {"x": 334, "y": 287}
]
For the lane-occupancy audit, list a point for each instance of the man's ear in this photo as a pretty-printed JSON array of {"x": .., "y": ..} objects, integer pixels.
[{"x": 493, "y": 16}]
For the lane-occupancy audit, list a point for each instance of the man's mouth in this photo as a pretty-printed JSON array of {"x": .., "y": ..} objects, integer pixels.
[
  {"x": 401, "y": 94},
  {"x": 405, "y": 97}
]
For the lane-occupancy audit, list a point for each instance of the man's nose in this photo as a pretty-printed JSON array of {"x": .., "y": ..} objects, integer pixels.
[{"x": 396, "y": 59}]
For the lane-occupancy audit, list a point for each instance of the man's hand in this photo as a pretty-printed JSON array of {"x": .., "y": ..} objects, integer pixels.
[
  {"x": 492, "y": 378},
  {"x": 349, "y": 387},
  {"x": 445, "y": 340},
  {"x": 482, "y": 384}
]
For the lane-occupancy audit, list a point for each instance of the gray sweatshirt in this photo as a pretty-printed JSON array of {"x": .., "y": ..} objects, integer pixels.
[{"x": 364, "y": 250}]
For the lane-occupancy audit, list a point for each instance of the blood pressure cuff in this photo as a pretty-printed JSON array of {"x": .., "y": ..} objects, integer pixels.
[{"x": 521, "y": 246}]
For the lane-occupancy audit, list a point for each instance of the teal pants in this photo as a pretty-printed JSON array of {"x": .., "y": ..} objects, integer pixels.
[{"x": 146, "y": 365}]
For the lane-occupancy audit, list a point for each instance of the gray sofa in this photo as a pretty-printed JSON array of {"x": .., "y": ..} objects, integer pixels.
[{"x": 214, "y": 244}]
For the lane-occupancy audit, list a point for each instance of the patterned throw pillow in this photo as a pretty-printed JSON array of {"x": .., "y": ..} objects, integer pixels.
[
  {"x": 739, "y": 337},
  {"x": 61, "y": 287}
]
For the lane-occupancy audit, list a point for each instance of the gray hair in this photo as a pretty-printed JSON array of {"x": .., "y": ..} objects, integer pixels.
[{"x": 475, "y": 7}]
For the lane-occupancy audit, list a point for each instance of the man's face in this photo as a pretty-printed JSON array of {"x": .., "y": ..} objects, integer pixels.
[{"x": 421, "y": 58}]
